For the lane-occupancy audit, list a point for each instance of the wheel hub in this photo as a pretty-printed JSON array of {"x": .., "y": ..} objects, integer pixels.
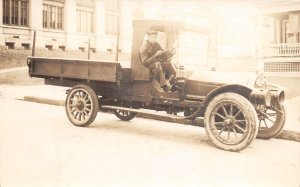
[
  {"x": 261, "y": 117},
  {"x": 229, "y": 122},
  {"x": 80, "y": 105}
]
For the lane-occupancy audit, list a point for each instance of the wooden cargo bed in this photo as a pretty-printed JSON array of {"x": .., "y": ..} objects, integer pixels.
[{"x": 74, "y": 69}]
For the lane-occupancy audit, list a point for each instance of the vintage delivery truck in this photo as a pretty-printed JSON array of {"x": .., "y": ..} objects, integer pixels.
[{"x": 236, "y": 108}]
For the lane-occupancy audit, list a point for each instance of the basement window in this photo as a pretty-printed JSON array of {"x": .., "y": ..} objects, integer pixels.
[
  {"x": 10, "y": 45},
  {"x": 93, "y": 50},
  {"x": 49, "y": 47},
  {"x": 62, "y": 48},
  {"x": 26, "y": 46},
  {"x": 81, "y": 49},
  {"x": 109, "y": 50}
]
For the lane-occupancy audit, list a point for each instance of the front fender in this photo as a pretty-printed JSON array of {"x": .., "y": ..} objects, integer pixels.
[
  {"x": 234, "y": 88},
  {"x": 277, "y": 92},
  {"x": 275, "y": 87}
]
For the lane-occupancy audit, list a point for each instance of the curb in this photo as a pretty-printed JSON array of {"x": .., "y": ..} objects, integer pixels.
[
  {"x": 289, "y": 135},
  {"x": 44, "y": 101},
  {"x": 18, "y": 76},
  {"x": 285, "y": 134}
]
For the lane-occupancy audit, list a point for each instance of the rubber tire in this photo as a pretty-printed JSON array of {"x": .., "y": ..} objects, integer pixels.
[
  {"x": 125, "y": 118},
  {"x": 94, "y": 103},
  {"x": 248, "y": 111},
  {"x": 276, "y": 129}
]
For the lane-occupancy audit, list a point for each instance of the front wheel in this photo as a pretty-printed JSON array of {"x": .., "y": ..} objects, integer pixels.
[
  {"x": 271, "y": 120},
  {"x": 231, "y": 121},
  {"x": 82, "y": 105}
]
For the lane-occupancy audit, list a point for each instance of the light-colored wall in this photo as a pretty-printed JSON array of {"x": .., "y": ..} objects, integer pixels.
[
  {"x": 68, "y": 37},
  {"x": 1, "y": 12},
  {"x": 2, "y": 38},
  {"x": 70, "y": 24}
]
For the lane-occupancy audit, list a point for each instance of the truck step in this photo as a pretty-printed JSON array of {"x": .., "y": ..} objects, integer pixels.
[{"x": 155, "y": 114}]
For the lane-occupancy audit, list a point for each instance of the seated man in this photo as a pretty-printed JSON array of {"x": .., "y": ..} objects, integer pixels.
[{"x": 150, "y": 51}]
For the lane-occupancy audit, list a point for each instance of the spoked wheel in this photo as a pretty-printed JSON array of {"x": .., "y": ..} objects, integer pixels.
[
  {"x": 271, "y": 120},
  {"x": 231, "y": 122},
  {"x": 82, "y": 105},
  {"x": 125, "y": 115}
]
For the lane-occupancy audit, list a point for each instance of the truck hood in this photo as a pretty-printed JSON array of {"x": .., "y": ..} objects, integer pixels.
[{"x": 223, "y": 78}]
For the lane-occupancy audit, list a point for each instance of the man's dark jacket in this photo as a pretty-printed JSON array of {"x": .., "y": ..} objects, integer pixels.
[{"x": 148, "y": 51}]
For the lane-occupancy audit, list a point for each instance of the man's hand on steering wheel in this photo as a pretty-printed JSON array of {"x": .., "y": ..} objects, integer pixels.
[
  {"x": 164, "y": 55},
  {"x": 158, "y": 53},
  {"x": 172, "y": 52}
]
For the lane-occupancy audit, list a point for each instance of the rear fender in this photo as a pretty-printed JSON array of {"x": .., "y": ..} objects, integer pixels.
[{"x": 234, "y": 88}]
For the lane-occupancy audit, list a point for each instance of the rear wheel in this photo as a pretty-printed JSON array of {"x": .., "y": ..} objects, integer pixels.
[
  {"x": 124, "y": 115},
  {"x": 82, "y": 105},
  {"x": 231, "y": 121},
  {"x": 271, "y": 120}
]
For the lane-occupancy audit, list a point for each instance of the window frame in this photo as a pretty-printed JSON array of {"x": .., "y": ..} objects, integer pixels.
[
  {"x": 111, "y": 24},
  {"x": 53, "y": 15},
  {"x": 85, "y": 19},
  {"x": 15, "y": 13},
  {"x": 112, "y": 17}
]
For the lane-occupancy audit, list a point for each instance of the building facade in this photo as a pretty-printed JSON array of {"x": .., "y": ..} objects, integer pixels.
[
  {"x": 279, "y": 38},
  {"x": 64, "y": 25},
  {"x": 68, "y": 28}
]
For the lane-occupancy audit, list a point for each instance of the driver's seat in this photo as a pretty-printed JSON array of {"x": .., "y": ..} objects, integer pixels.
[{"x": 138, "y": 70}]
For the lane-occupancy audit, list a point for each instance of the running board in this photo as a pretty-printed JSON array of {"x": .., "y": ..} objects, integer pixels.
[{"x": 151, "y": 113}]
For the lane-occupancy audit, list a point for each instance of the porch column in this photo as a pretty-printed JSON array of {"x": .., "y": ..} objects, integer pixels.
[{"x": 277, "y": 27}]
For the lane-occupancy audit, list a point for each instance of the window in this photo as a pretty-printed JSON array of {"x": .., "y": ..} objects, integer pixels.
[
  {"x": 112, "y": 12},
  {"x": 111, "y": 24},
  {"x": 85, "y": 13},
  {"x": 10, "y": 45},
  {"x": 49, "y": 47},
  {"x": 192, "y": 51},
  {"x": 87, "y": 3},
  {"x": 84, "y": 21},
  {"x": 62, "y": 47},
  {"x": 15, "y": 12},
  {"x": 52, "y": 17},
  {"x": 26, "y": 46},
  {"x": 112, "y": 5},
  {"x": 24, "y": 13},
  {"x": 81, "y": 49}
]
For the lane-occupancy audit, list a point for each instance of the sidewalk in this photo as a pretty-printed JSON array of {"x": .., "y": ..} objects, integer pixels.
[
  {"x": 47, "y": 94},
  {"x": 56, "y": 95}
]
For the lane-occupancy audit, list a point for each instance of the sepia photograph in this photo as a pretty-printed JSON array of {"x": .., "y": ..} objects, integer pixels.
[{"x": 149, "y": 93}]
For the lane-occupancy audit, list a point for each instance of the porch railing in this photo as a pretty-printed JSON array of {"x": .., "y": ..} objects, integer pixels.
[{"x": 281, "y": 50}]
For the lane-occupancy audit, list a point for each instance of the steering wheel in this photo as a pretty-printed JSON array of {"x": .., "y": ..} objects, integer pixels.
[{"x": 165, "y": 55}]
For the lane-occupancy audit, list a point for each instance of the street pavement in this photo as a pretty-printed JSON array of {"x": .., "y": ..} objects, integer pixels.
[
  {"x": 39, "y": 147},
  {"x": 55, "y": 95}
]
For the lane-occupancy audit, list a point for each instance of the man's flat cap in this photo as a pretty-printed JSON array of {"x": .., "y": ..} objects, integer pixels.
[{"x": 151, "y": 31}]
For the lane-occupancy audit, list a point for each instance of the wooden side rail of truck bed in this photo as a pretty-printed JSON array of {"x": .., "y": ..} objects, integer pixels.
[{"x": 74, "y": 69}]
